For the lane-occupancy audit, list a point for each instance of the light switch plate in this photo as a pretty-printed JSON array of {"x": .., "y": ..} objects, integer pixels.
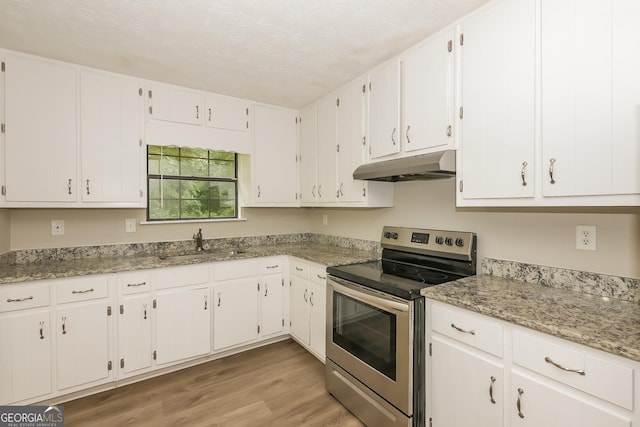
[{"x": 130, "y": 225}]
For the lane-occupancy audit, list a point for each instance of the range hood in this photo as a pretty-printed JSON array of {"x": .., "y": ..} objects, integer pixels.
[{"x": 438, "y": 165}]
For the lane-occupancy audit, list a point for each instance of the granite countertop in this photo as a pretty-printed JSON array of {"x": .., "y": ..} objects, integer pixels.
[
  {"x": 607, "y": 324},
  {"x": 328, "y": 255}
]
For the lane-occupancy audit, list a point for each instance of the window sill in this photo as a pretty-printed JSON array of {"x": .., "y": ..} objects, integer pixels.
[{"x": 191, "y": 221}]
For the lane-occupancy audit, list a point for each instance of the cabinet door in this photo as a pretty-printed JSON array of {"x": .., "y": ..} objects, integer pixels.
[
  {"x": 135, "y": 333},
  {"x": 384, "y": 110},
  {"x": 82, "y": 344},
  {"x": 226, "y": 113},
  {"x": 466, "y": 388},
  {"x": 317, "y": 318},
  {"x": 498, "y": 88},
  {"x": 275, "y": 169},
  {"x": 351, "y": 120},
  {"x": 112, "y": 153},
  {"x": 183, "y": 324},
  {"x": 308, "y": 140},
  {"x": 299, "y": 309},
  {"x": 326, "y": 149},
  {"x": 427, "y": 94},
  {"x": 40, "y": 134},
  {"x": 25, "y": 356},
  {"x": 175, "y": 104},
  {"x": 271, "y": 304},
  {"x": 536, "y": 403},
  {"x": 590, "y": 94},
  {"x": 235, "y": 312}
]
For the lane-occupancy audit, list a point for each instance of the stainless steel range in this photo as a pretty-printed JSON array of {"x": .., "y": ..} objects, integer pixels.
[{"x": 376, "y": 322}]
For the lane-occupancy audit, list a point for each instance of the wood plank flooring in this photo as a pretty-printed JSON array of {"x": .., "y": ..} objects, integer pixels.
[{"x": 277, "y": 385}]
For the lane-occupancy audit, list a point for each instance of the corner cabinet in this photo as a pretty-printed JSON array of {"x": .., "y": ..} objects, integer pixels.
[
  {"x": 486, "y": 372},
  {"x": 270, "y": 176}
]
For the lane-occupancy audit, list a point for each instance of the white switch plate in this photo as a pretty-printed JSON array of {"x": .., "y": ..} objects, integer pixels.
[
  {"x": 57, "y": 227},
  {"x": 325, "y": 219},
  {"x": 586, "y": 237},
  {"x": 130, "y": 225}
]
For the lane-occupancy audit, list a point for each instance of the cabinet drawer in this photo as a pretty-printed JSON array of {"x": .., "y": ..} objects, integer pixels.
[
  {"x": 469, "y": 328},
  {"x": 299, "y": 268},
  {"x": 81, "y": 289},
  {"x": 228, "y": 270},
  {"x": 182, "y": 276},
  {"x": 564, "y": 361},
  {"x": 134, "y": 283},
  {"x": 271, "y": 265},
  {"x": 22, "y": 296},
  {"x": 318, "y": 274}
]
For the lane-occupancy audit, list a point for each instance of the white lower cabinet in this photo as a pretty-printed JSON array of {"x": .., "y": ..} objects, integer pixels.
[
  {"x": 235, "y": 312},
  {"x": 538, "y": 380},
  {"x": 273, "y": 298},
  {"x": 308, "y": 306}
]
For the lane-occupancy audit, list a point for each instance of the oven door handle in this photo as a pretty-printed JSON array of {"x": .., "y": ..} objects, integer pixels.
[{"x": 367, "y": 296}]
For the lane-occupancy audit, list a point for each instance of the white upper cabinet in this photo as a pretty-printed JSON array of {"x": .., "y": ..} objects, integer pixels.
[
  {"x": 274, "y": 180},
  {"x": 40, "y": 134},
  {"x": 427, "y": 95},
  {"x": 327, "y": 144},
  {"x": 227, "y": 113},
  {"x": 113, "y": 166},
  {"x": 384, "y": 110},
  {"x": 497, "y": 111},
  {"x": 590, "y": 97},
  {"x": 351, "y": 140},
  {"x": 308, "y": 157},
  {"x": 174, "y": 104}
]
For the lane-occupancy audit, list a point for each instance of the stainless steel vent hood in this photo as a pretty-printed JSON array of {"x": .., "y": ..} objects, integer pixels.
[{"x": 423, "y": 167}]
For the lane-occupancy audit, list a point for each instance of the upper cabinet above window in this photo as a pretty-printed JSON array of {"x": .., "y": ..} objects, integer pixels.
[{"x": 174, "y": 104}]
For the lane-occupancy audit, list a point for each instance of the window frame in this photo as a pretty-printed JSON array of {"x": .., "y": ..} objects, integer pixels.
[{"x": 192, "y": 178}]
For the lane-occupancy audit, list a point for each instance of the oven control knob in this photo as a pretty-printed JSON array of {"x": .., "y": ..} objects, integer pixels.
[
  {"x": 387, "y": 235},
  {"x": 394, "y": 236},
  {"x": 439, "y": 240},
  {"x": 459, "y": 242},
  {"x": 448, "y": 241}
]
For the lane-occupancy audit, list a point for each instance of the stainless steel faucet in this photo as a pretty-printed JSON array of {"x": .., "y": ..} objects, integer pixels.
[{"x": 198, "y": 238}]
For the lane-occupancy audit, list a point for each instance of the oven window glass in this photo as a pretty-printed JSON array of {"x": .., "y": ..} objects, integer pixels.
[{"x": 366, "y": 332}]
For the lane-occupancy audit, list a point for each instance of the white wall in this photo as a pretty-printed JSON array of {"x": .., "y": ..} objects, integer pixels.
[
  {"x": 539, "y": 236},
  {"x": 31, "y": 228}
]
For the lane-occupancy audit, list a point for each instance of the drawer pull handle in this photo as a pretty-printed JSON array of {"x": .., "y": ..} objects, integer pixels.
[
  {"x": 577, "y": 371},
  {"x": 20, "y": 299},
  {"x": 520, "y": 393},
  {"x": 472, "y": 332},
  {"x": 299, "y": 269},
  {"x": 273, "y": 266},
  {"x": 493, "y": 380},
  {"x": 85, "y": 291},
  {"x": 41, "y": 330},
  {"x": 133, "y": 285},
  {"x": 321, "y": 277}
]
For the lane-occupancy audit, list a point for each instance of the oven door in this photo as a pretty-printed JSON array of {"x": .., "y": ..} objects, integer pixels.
[{"x": 369, "y": 335}]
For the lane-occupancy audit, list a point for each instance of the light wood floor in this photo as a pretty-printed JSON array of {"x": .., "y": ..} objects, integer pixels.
[{"x": 277, "y": 385}]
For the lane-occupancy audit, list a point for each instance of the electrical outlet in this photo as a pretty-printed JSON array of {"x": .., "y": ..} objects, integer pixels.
[
  {"x": 586, "y": 237},
  {"x": 57, "y": 227},
  {"x": 130, "y": 225}
]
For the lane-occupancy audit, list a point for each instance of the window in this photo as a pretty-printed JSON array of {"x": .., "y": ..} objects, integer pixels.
[{"x": 191, "y": 183}]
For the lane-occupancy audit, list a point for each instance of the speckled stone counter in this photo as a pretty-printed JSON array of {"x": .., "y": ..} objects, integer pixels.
[
  {"x": 607, "y": 324},
  {"x": 321, "y": 253}
]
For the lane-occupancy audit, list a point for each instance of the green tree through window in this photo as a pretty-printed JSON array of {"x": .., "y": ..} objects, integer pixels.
[{"x": 191, "y": 183}]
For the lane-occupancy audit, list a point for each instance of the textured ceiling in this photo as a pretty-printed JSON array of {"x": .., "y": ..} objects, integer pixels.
[{"x": 285, "y": 52}]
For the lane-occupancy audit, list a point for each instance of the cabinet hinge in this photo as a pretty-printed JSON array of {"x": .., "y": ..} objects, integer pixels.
[
  {"x": 364, "y": 191},
  {"x": 150, "y": 94},
  {"x": 247, "y": 111},
  {"x": 430, "y": 422},
  {"x": 258, "y": 328},
  {"x": 140, "y": 142},
  {"x": 369, "y": 86},
  {"x": 461, "y": 112},
  {"x": 4, "y": 190},
  {"x": 121, "y": 363},
  {"x": 2, "y": 126},
  {"x": 121, "y": 309},
  {"x": 283, "y": 323},
  {"x": 450, "y": 45},
  {"x": 337, "y": 102},
  {"x": 155, "y": 355},
  {"x": 109, "y": 311},
  {"x": 296, "y": 196},
  {"x": 109, "y": 365},
  {"x": 155, "y": 304},
  {"x": 141, "y": 193},
  {"x": 283, "y": 283},
  {"x": 461, "y": 39},
  {"x": 289, "y": 323},
  {"x": 337, "y": 148},
  {"x": 3, "y": 67},
  {"x": 150, "y": 110},
  {"x": 364, "y": 140},
  {"x": 247, "y": 124},
  {"x": 364, "y": 89},
  {"x": 430, "y": 349},
  {"x": 461, "y": 186},
  {"x": 139, "y": 91},
  {"x": 296, "y": 120},
  {"x": 258, "y": 286},
  {"x": 369, "y": 150}
]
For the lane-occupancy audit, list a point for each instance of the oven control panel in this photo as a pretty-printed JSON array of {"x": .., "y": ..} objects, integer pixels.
[{"x": 458, "y": 244}]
